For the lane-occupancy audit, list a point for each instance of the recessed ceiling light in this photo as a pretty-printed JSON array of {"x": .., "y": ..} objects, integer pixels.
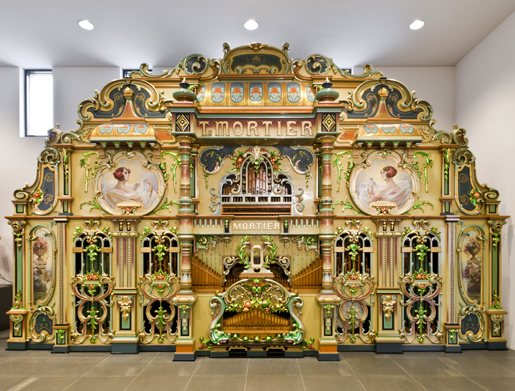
[
  {"x": 251, "y": 24},
  {"x": 417, "y": 24},
  {"x": 86, "y": 24}
]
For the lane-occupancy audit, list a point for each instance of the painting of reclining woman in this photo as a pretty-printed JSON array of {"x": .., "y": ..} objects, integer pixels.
[
  {"x": 384, "y": 181},
  {"x": 129, "y": 182}
]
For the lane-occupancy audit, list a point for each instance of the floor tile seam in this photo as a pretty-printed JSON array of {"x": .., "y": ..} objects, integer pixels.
[
  {"x": 86, "y": 373},
  {"x": 353, "y": 372},
  {"x": 301, "y": 378},
  {"x": 461, "y": 373},
  {"x": 246, "y": 375},
  {"x": 416, "y": 381},
  {"x": 193, "y": 373},
  {"x": 146, "y": 366}
]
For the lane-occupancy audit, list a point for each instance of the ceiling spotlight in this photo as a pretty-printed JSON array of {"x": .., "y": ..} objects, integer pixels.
[
  {"x": 251, "y": 24},
  {"x": 86, "y": 24},
  {"x": 417, "y": 24}
]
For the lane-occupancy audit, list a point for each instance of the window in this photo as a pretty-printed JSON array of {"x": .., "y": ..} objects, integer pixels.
[
  {"x": 39, "y": 102},
  {"x": 126, "y": 73}
]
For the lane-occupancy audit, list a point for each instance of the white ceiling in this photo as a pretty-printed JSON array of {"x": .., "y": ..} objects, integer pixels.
[{"x": 42, "y": 34}]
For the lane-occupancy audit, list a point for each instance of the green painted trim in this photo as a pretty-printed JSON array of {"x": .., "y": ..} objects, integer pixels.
[
  {"x": 497, "y": 346},
  {"x": 185, "y": 356},
  {"x": 256, "y": 116},
  {"x": 389, "y": 348},
  {"x": 328, "y": 357},
  {"x": 124, "y": 348},
  {"x": 495, "y": 268},
  {"x": 452, "y": 349},
  {"x": 422, "y": 348},
  {"x": 183, "y": 110},
  {"x": 356, "y": 348},
  {"x": 60, "y": 349},
  {"x": 90, "y": 348},
  {"x": 157, "y": 348},
  {"x": 19, "y": 270},
  {"x": 16, "y": 346}
]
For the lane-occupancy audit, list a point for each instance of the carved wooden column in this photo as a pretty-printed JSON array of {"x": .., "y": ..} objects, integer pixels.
[
  {"x": 185, "y": 213},
  {"x": 326, "y": 212},
  {"x": 327, "y": 300},
  {"x": 185, "y": 346}
]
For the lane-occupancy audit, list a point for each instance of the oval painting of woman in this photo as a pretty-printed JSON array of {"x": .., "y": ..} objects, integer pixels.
[
  {"x": 383, "y": 181},
  {"x": 129, "y": 182}
]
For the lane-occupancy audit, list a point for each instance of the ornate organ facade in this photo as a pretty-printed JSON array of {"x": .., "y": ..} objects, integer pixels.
[{"x": 256, "y": 205}]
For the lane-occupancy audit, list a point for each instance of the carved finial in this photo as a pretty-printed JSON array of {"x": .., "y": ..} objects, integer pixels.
[
  {"x": 127, "y": 92},
  {"x": 383, "y": 92}
]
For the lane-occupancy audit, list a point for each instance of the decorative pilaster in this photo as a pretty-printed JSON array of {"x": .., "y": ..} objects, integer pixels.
[
  {"x": 495, "y": 311},
  {"x": 326, "y": 212},
  {"x": 185, "y": 213},
  {"x": 328, "y": 349},
  {"x": 452, "y": 327},
  {"x": 124, "y": 295},
  {"x": 185, "y": 345},
  {"x": 18, "y": 313},
  {"x": 388, "y": 292}
]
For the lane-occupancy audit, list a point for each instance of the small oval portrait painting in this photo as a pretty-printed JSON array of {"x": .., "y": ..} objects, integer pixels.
[
  {"x": 130, "y": 184},
  {"x": 384, "y": 180}
]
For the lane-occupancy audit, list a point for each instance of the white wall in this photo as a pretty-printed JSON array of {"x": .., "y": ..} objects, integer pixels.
[
  {"x": 18, "y": 157},
  {"x": 485, "y": 100},
  {"x": 433, "y": 84},
  {"x": 72, "y": 85},
  {"x": 17, "y": 160}
]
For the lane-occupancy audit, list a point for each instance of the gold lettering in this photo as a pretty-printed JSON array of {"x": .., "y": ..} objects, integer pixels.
[
  {"x": 289, "y": 128},
  {"x": 204, "y": 132},
  {"x": 236, "y": 226},
  {"x": 306, "y": 126},
  {"x": 279, "y": 130},
  {"x": 252, "y": 127},
  {"x": 224, "y": 128},
  {"x": 277, "y": 226},
  {"x": 234, "y": 128},
  {"x": 266, "y": 124}
]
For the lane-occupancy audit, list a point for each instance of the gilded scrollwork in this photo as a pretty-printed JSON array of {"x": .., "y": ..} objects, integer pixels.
[
  {"x": 356, "y": 291},
  {"x": 157, "y": 291},
  {"x": 40, "y": 324},
  {"x": 18, "y": 227},
  {"x": 421, "y": 288},
  {"x": 92, "y": 291},
  {"x": 256, "y": 294}
]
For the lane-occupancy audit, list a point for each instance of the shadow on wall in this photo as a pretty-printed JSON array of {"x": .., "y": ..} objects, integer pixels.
[{"x": 5, "y": 265}]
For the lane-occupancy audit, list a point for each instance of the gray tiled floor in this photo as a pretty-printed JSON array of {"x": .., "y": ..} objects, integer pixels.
[{"x": 471, "y": 370}]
